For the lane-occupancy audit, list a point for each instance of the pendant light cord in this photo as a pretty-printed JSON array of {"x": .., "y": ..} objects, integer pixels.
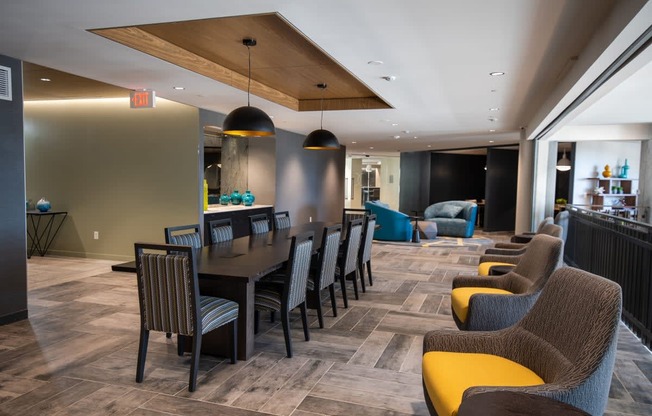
[
  {"x": 321, "y": 104},
  {"x": 249, "y": 78}
]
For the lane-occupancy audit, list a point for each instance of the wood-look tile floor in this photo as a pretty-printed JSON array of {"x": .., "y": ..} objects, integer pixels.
[{"x": 76, "y": 354}]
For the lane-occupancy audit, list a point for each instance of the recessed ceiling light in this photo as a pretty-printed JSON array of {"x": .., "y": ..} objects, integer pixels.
[
  {"x": 46, "y": 79},
  {"x": 375, "y": 62},
  {"x": 496, "y": 73},
  {"x": 394, "y": 124},
  {"x": 371, "y": 147},
  {"x": 354, "y": 142},
  {"x": 389, "y": 78},
  {"x": 492, "y": 130},
  {"x": 429, "y": 146},
  {"x": 494, "y": 109},
  {"x": 491, "y": 141},
  {"x": 416, "y": 137},
  {"x": 492, "y": 119},
  {"x": 179, "y": 88},
  {"x": 406, "y": 131},
  {"x": 397, "y": 137}
]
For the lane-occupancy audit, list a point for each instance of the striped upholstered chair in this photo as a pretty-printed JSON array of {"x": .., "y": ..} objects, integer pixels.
[
  {"x": 564, "y": 349},
  {"x": 364, "y": 258},
  {"x": 184, "y": 235},
  {"x": 323, "y": 276},
  {"x": 347, "y": 264},
  {"x": 169, "y": 299},
  {"x": 221, "y": 230},
  {"x": 258, "y": 224},
  {"x": 292, "y": 294},
  {"x": 282, "y": 220}
]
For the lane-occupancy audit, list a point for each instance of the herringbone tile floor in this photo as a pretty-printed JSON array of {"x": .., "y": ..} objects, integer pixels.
[{"x": 77, "y": 352}]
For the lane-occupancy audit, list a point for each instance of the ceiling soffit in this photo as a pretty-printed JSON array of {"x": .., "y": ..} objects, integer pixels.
[{"x": 285, "y": 65}]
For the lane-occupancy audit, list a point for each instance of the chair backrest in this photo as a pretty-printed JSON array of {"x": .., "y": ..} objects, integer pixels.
[
  {"x": 546, "y": 220},
  {"x": 552, "y": 230},
  {"x": 221, "y": 230},
  {"x": 367, "y": 237},
  {"x": 561, "y": 219},
  {"x": 258, "y": 224},
  {"x": 282, "y": 220},
  {"x": 352, "y": 245},
  {"x": 349, "y": 214},
  {"x": 168, "y": 292},
  {"x": 330, "y": 246},
  {"x": 294, "y": 292},
  {"x": 184, "y": 235},
  {"x": 569, "y": 337},
  {"x": 543, "y": 256}
]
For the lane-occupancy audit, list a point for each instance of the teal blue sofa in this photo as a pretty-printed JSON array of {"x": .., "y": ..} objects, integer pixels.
[
  {"x": 392, "y": 225},
  {"x": 453, "y": 218}
]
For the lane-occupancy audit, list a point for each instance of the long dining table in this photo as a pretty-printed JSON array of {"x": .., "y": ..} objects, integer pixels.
[{"x": 229, "y": 270}]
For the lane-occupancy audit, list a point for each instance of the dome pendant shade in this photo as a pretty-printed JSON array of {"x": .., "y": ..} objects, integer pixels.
[
  {"x": 563, "y": 164},
  {"x": 248, "y": 121},
  {"x": 321, "y": 140}
]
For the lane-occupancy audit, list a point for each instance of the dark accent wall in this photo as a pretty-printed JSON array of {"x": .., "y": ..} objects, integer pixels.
[
  {"x": 457, "y": 177},
  {"x": 13, "y": 263},
  {"x": 500, "y": 194},
  {"x": 415, "y": 182}
]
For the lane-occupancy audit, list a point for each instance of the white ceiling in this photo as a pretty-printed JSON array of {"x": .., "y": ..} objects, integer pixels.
[{"x": 440, "y": 51}]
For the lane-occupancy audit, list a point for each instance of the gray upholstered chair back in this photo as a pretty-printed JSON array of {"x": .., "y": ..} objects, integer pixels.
[
  {"x": 352, "y": 244},
  {"x": 569, "y": 338},
  {"x": 543, "y": 223},
  {"x": 543, "y": 256},
  {"x": 221, "y": 230},
  {"x": 298, "y": 267},
  {"x": 282, "y": 220},
  {"x": 259, "y": 224},
  {"x": 368, "y": 238},
  {"x": 167, "y": 291},
  {"x": 349, "y": 214},
  {"x": 552, "y": 230},
  {"x": 328, "y": 255},
  {"x": 561, "y": 219},
  {"x": 184, "y": 235}
]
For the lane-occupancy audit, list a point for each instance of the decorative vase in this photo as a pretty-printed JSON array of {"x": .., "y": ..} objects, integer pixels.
[
  {"x": 624, "y": 169},
  {"x": 236, "y": 197},
  {"x": 225, "y": 199},
  {"x": 606, "y": 172},
  {"x": 248, "y": 198},
  {"x": 43, "y": 205}
]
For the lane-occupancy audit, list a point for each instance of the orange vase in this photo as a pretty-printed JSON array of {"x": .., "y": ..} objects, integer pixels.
[{"x": 606, "y": 172}]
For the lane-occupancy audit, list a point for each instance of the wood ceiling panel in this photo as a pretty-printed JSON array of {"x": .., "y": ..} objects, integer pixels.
[{"x": 286, "y": 66}]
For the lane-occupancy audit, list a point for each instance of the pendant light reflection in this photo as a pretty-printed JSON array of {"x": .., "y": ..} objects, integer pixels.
[
  {"x": 248, "y": 121},
  {"x": 321, "y": 139},
  {"x": 563, "y": 164}
]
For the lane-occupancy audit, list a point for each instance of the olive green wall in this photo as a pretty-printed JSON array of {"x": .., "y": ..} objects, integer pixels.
[{"x": 126, "y": 173}]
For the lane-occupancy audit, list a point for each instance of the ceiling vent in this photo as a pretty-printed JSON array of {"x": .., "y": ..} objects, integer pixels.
[{"x": 5, "y": 83}]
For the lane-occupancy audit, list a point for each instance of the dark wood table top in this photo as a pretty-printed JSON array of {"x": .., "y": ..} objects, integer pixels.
[
  {"x": 247, "y": 258},
  {"x": 505, "y": 403}
]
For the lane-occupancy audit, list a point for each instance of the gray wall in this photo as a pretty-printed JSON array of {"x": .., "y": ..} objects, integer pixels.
[
  {"x": 13, "y": 268},
  {"x": 309, "y": 183},
  {"x": 415, "y": 181},
  {"x": 126, "y": 173}
]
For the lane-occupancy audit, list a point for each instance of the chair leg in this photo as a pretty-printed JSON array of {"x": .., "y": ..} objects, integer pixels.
[
  {"x": 371, "y": 282},
  {"x": 320, "y": 317},
  {"x": 304, "y": 320},
  {"x": 272, "y": 316},
  {"x": 331, "y": 289},
  {"x": 194, "y": 361},
  {"x": 142, "y": 354},
  {"x": 168, "y": 335},
  {"x": 181, "y": 344},
  {"x": 285, "y": 318},
  {"x": 355, "y": 283},
  {"x": 343, "y": 285},
  {"x": 360, "y": 273},
  {"x": 256, "y": 320},
  {"x": 234, "y": 341}
]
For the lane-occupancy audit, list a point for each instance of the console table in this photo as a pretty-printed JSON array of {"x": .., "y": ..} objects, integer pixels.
[{"x": 42, "y": 227}]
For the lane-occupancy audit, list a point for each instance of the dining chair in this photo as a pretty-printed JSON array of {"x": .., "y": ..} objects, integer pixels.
[
  {"x": 282, "y": 220},
  {"x": 349, "y": 214},
  {"x": 292, "y": 294},
  {"x": 184, "y": 235},
  {"x": 258, "y": 224},
  {"x": 221, "y": 230},
  {"x": 347, "y": 267},
  {"x": 364, "y": 258},
  {"x": 323, "y": 276},
  {"x": 169, "y": 300}
]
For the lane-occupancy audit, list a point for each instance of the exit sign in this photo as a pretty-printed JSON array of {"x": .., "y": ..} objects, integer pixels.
[{"x": 142, "y": 99}]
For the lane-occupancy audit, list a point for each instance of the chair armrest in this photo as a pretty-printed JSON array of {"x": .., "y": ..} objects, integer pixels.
[
  {"x": 489, "y": 342},
  {"x": 478, "y": 281},
  {"x": 505, "y": 251},
  {"x": 490, "y": 312},
  {"x": 513, "y": 246},
  {"x": 522, "y": 238},
  {"x": 500, "y": 258}
]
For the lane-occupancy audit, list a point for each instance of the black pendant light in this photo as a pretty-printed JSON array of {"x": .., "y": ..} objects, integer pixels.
[
  {"x": 248, "y": 121},
  {"x": 321, "y": 139}
]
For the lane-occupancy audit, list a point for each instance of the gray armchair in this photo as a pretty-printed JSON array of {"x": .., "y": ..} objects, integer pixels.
[
  {"x": 564, "y": 349},
  {"x": 481, "y": 303},
  {"x": 519, "y": 248}
]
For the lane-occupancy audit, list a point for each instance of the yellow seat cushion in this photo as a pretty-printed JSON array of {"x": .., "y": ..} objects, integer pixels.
[
  {"x": 483, "y": 268},
  {"x": 448, "y": 374},
  {"x": 461, "y": 296}
]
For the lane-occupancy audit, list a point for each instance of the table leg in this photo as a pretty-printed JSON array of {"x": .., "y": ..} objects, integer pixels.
[{"x": 416, "y": 238}]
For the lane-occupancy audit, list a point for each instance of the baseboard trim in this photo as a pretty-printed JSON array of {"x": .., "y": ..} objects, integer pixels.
[{"x": 13, "y": 317}]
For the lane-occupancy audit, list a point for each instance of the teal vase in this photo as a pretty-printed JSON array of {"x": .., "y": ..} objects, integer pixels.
[
  {"x": 225, "y": 199},
  {"x": 248, "y": 198},
  {"x": 236, "y": 197},
  {"x": 624, "y": 170}
]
